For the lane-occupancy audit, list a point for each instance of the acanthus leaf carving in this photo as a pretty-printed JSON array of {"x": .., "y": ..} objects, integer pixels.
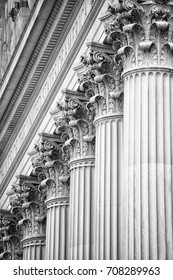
[
  {"x": 140, "y": 24},
  {"x": 28, "y": 204}
]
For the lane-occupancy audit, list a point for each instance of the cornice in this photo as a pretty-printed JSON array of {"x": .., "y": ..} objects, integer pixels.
[
  {"x": 20, "y": 48},
  {"x": 66, "y": 67},
  {"x": 25, "y": 91}
]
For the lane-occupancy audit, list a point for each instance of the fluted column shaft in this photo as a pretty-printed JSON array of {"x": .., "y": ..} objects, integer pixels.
[
  {"x": 55, "y": 185},
  {"x": 109, "y": 158},
  {"x": 148, "y": 152},
  {"x": 34, "y": 248},
  {"x": 57, "y": 233},
  {"x": 82, "y": 213}
]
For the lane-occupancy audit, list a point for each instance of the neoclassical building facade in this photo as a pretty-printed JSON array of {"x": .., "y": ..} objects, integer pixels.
[{"x": 86, "y": 130}]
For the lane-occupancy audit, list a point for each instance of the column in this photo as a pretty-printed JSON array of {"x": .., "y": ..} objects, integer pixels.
[
  {"x": 28, "y": 207},
  {"x": 146, "y": 53},
  {"x": 56, "y": 187},
  {"x": 107, "y": 102},
  {"x": 81, "y": 145}
]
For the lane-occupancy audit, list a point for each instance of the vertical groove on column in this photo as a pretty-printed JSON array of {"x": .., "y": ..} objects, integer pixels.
[
  {"x": 107, "y": 187},
  {"x": 48, "y": 235},
  {"x": 33, "y": 248},
  {"x": 28, "y": 254},
  {"x": 152, "y": 166},
  {"x": 86, "y": 222},
  {"x": 168, "y": 174},
  {"x": 137, "y": 167},
  {"x": 98, "y": 183},
  {"x": 71, "y": 213},
  {"x": 62, "y": 232},
  {"x": 92, "y": 217},
  {"x": 131, "y": 174},
  {"x": 120, "y": 189},
  {"x": 144, "y": 157},
  {"x": 76, "y": 196},
  {"x": 67, "y": 246},
  {"x": 43, "y": 252},
  {"x": 52, "y": 234},
  {"x": 125, "y": 237},
  {"x": 56, "y": 233},
  {"x": 81, "y": 214},
  {"x": 159, "y": 166},
  {"x": 102, "y": 192},
  {"x": 113, "y": 191}
]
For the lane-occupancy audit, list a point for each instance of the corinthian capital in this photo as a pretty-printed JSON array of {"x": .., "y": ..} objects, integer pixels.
[
  {"x": 106, "y": 69},
  {"x": 80, "y": 133},
  {"x": 28, "y": 206},
  {"x": 54, "y": 164},
  {"x": 141, "y": 32}
]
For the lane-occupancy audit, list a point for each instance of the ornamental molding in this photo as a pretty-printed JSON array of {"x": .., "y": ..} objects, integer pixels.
[
  {"x": 109, "y": 118},
  {"x": 146, "y": 70},
  {"x": 82, "y": 162},
  {"x": 36, "y": 241},
  {"x": 56, "y": 37},
  {"x": 58, "y": 201},
  {"x": 8, "y": 168}
]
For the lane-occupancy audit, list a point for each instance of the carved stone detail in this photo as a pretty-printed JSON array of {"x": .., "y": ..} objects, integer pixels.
[
  {"x": 29, "y": 206},
  {"x": 78, "y": 127},
  {"x": 53, "y": 170},
  {"x": 141, "y": 32},
  {"x": 105, "y": 71},
  {"x": 10, "y": 238}
]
